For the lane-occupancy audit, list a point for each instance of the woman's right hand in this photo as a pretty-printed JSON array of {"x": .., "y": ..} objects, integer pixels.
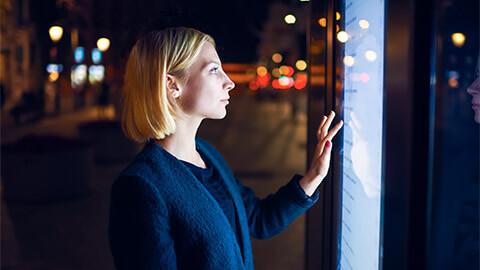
[{"x": 321, "y": 157}]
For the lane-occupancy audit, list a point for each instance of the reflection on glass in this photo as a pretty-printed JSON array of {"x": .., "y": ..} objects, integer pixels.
[
  {"x": 370, "y": 55},
  {"x": 348, "y": 61},
  {"x": 342, "y": 36},
  {"x": 363, "y": 24},
  {"x": 359, "y": 244}
]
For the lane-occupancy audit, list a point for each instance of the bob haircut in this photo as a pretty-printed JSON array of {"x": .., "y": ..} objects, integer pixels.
[{"x": 147, "y": 111}]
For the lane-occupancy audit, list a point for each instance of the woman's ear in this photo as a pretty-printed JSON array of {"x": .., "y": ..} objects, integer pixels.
[{"x": 173, "y": 88}]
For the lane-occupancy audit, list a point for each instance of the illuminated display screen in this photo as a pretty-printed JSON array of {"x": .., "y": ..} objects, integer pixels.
[{"x": 359, "y": 243}]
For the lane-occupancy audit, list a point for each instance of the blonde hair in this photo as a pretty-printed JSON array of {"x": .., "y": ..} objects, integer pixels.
[{"x": 147, "y": 111}]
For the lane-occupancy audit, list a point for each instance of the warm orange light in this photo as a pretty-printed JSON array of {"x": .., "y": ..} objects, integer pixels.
[
  {"x": 322, "y": 22},
  {"x": 338, "y": 16},
  {"x": 253, "y": 85},
  {"x": 263, "y": 80},
  {"x": 275, "y": 84},
  {"x": 276, "y": 72},
  {"x": 287, "y": 70},
  {"x": 458, "y": 39},
  {"x": 53, "y": 76},
  {"x": 301, "y": 65},
  {"x": 277, "y": 58},
  {"x": 452, "y": 82},
  {"x": 262, "y": 71},
  {"x": 56, "y": 33},
  {"x": 338, "y": 28},
  {"x": 103, "y": 44},
  {"x": 300, "y": 82},
  {"x": 299, "y": 85}
]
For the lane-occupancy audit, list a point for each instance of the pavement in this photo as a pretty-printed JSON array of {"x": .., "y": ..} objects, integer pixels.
[{"x": 262, "y": 142}]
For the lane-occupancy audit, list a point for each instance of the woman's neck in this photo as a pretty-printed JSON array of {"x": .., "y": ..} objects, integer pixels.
[{"x": 181, "y": 144}]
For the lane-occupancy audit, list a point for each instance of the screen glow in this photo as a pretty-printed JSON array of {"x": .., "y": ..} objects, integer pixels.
[{"x": 359, "y": 242}]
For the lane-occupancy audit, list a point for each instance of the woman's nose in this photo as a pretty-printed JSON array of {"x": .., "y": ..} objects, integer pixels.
[
  {"x": 474, "y": 89},
  {"x": 229, "y": 84}
]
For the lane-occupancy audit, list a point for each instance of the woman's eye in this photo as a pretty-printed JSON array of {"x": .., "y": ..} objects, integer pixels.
[{"x": 214, "y": 70}]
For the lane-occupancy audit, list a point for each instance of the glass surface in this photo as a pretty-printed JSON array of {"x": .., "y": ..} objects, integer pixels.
[
  {"x": 361, "y": 31},
  {"x": 454, "y": 206}
]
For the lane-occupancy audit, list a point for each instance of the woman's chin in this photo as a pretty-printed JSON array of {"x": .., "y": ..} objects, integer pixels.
[{"x": 219, "y": 115}]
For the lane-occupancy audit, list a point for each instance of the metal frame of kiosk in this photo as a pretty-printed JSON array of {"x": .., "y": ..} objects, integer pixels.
[{"x": 409, "y": 65}]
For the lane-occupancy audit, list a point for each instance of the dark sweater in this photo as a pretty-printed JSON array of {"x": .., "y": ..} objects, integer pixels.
[
  {"x": 211, "y": 180},
  {"x": 162, "y": 217}
]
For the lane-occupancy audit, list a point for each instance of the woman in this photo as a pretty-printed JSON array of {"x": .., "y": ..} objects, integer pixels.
[{"x": 178, "y": 204}]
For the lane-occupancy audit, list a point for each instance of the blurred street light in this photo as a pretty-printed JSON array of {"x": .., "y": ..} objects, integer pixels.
[
  {"x": 290, "y": 19},
  {"x": 322, "y": 22},
  {"x": 55, "y": 33},
  {"x": 103, "y": 44},
  {"x": 301, "y": 65},
  {"x": 458, "y": 39},
  {"x": 277, "y": 58}
]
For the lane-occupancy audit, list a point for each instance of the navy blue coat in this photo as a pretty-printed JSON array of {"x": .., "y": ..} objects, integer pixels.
[{"x": 162, "y": 217}]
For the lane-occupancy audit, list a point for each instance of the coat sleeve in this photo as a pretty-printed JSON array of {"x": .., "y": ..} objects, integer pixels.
[
  {"x": 139, "y": 227},
  {"x": 271, "y": 215}
]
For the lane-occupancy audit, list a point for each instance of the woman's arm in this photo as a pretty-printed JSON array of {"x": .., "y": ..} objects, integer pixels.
[
  {"x": 139, "y": 228},
  {"x": 271, "y": 215}
]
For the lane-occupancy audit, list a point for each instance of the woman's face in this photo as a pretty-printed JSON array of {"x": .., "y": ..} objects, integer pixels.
[
  {"x": 474, "y": 90},
  {"x": 206, "y": 92}
]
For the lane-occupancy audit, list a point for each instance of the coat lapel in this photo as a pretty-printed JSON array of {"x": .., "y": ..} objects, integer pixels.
[
  {"x": 230, "y": 182},
  {"x": 189, "y": 183}
]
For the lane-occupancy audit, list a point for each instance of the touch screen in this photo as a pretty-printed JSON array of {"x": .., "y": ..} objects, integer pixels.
[{"x": 359, "y": 243}]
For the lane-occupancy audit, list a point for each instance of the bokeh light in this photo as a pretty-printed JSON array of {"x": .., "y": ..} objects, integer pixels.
[
  {"x": 338, "y": 16},
  {"x": 56, "y": 33},
  {"x": 364, "y": 24},
  {"x": 322, "y": 22},
  {"x": 300, "y": 81},
  {"x": 263, "y": 80},
  {"x": 290, "y": 19},
  {"x": 286, "y": 70},
  {"x": 276, "y": 72},
  {"x": 342, "y": 36},
  {"x": 262, "y": 71},
  {"x": 458, "y": 39},
  {"x": 253, "y": 85},
  {"x": 364, "y": 77},
  {"x": 301, "y": 65},
  {"x": 348, "y": 61},
  {"x": 53, "y": 76},
  {"x": 452, "y": 82},
  {"x": 103, "y": 44},
  {"x": 277, "y": 58},
  {"x": 370, "y": 55}
]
